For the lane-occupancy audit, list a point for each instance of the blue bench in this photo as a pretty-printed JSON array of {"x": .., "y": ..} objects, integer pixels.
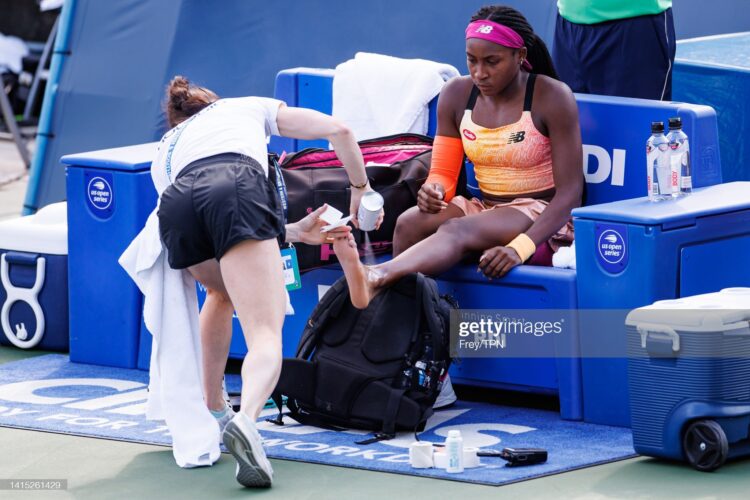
[{"x": 614, "y": 132}]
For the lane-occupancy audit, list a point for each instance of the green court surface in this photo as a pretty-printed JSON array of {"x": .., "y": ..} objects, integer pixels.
[{"x": 102, "y": 469}]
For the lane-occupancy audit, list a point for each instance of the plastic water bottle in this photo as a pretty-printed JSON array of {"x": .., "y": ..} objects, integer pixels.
[
  {"x": 659, "y": 173},
  {"x": 426, "y": 360},
  {"x": 679, "y": 159},
  {"x": 406, "y": 376},
  {"x": 454, "y": 448}
]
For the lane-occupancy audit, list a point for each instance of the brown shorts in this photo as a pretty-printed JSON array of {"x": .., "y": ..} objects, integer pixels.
[{"x": 530, "y": 207}]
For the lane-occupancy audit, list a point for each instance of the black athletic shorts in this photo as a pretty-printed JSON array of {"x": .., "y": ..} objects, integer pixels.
[{"x": 215, "y": 203}]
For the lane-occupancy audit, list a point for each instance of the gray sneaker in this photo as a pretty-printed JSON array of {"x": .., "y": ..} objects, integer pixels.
[{"x": 243, "y": 441}]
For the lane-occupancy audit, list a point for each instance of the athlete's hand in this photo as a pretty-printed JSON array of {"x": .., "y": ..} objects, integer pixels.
[
  {"x": 497, "y": 261},
  {"x": 430, "y": 198}
]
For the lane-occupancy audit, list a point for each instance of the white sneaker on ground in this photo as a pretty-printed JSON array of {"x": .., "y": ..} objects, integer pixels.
[
  {"x": 447, "y": 395},
  {"x": 223, "y": 417},
  {"x": 243, "y": 441}
]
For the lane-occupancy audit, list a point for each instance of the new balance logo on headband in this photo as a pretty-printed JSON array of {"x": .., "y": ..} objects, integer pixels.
[{"x": 485, "y": 29}]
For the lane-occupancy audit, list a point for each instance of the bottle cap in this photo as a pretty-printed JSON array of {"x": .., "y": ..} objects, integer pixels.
[
  {"x": 675, "y": 123},
  {"x": 454, "y": 434},
  {"x": 657, "y": 127}
]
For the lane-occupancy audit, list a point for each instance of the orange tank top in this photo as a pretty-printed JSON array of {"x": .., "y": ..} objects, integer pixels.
[{"x": 510, "y": 160}]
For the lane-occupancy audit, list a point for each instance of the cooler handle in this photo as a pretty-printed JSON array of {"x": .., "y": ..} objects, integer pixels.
[
  {"x": 651, "y": 335},
  {"x": 19, "y": 294}
]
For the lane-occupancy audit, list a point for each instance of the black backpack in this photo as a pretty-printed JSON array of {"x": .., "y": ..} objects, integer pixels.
[{"x": 379, "y": 368}]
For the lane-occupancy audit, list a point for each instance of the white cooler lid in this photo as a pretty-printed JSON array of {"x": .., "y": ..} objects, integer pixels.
[
  {"x": 728, "y": 309},
  {"x": 44, "y": 232}
]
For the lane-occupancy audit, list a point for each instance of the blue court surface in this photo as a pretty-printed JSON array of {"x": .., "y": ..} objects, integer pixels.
[{"x": 51, "y": 394}]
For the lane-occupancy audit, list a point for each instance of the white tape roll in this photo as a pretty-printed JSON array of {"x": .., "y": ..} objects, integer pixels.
[
  {"x": 420, "y": 455},
  {"x": 471, "y": 460},
  {"x": 441, "y": 459}
]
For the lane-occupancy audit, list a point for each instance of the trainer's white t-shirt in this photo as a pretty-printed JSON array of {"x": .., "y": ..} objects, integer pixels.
[{"x": 235, "y": 125}]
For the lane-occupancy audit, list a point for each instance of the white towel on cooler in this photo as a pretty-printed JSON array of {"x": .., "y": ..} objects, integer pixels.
[
  {"x": 565, "y": 257},
  {"x": 377, "y": 95}
]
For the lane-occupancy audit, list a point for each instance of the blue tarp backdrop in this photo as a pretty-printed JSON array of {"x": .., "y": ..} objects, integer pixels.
[{"x": 121, "y": 54}]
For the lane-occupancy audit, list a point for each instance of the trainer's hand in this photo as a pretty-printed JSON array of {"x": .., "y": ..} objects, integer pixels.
[
  {"x": 308, "y": 229},
  {"x": 430, "y": 198},
  {"x": 357, "y": 195},
  {"x": 497, "y": 261}
]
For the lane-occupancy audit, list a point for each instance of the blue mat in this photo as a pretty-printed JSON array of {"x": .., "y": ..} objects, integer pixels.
[{"x": 48, "y": 393}]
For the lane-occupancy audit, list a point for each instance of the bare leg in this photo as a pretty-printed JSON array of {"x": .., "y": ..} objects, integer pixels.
[
  {"x": 216, "y": 330},
  {"x": 252, "y": 272},
  {"x": 434, "y": 255},
  {"x": 414, "y": 225}
]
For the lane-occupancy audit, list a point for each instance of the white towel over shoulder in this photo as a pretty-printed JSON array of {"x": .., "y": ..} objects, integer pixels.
[{"x": 377, "y": 95}]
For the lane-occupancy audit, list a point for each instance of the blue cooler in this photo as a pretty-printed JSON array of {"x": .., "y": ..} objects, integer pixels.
[
  {"x": 689, "y": 373},
  {"x": 34, "y": 280},
  {"x": 110, "y": 195},
  {"x": 632, "y": 253}
]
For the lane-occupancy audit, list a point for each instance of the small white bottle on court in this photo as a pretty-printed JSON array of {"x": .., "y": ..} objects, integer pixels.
[{"x": 454, "y": 449}]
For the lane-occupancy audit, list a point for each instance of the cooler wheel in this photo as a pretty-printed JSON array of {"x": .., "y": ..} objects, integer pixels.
[{"x": 705, "y": 445}]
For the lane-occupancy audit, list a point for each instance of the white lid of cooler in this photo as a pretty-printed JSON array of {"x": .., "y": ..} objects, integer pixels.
[
  {"x": 728, "y": 309},
  {"x": 44, "y": 232}
]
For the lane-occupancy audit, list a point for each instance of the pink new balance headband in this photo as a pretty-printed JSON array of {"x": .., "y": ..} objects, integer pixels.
[{"x": 496, "y": 33}]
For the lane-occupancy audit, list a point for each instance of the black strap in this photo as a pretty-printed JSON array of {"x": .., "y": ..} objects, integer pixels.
[
  {"x": 428, "y": 306},
  {"x": 279, "y": 420},
  {"x": 305, "y": 418},
  {"x": 389, "y": 418},
  {"x": 472, "y": 97},
  {"x": 378, "y": 436},
  {"x": 391, "y": 410},
  {"x": 529, "y": 92},
  {"x": 330, "y": 305},
  {"x": 418, "y": 303}
]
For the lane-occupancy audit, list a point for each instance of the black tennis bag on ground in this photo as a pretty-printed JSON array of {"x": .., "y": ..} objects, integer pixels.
[{"x": 379, "y": 368}]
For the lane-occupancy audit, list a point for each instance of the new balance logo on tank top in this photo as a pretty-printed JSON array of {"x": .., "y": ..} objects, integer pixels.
[{"x": 510, "y": 160}]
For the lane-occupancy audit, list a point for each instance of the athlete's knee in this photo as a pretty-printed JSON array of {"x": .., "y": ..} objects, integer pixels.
[
  {"x": 412, "y": 226},
  {"x": 453, "y": 227},
  {"x": 458, "y": 231},
  {"x": 219, "y": 296}
]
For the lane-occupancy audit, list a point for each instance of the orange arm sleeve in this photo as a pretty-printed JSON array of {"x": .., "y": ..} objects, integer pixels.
[{"x": 447, "y": 158}]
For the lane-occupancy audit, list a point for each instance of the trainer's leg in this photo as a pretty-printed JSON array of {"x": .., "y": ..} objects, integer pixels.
[
  {"x": 216, "y": 330},
  {"x": 414, "y": 225},
  {"x": 433, "y": 255},
  {"x": 253, "y": 276}
]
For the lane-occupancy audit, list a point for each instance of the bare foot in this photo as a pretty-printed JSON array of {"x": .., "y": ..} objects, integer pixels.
[{"x": 362, "y": 280}]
